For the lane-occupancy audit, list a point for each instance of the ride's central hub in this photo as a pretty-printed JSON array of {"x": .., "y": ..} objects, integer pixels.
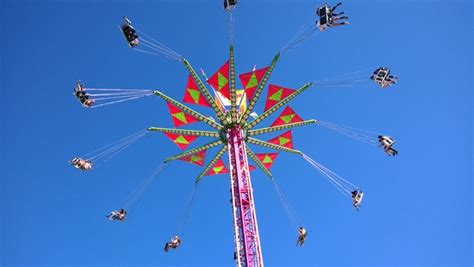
[
  {"x": 227, "y": 130},
  {"x": 230, "y": 126}
]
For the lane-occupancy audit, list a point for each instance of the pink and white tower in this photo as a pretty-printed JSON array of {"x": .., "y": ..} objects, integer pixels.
[{"x": 246, "y": 238}]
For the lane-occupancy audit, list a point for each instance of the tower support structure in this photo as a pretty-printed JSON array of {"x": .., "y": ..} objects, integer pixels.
[{"x": 248, "y": 251}]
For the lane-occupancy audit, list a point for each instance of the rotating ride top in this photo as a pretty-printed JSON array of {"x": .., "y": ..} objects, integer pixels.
[{"x": 234, "y": 128}]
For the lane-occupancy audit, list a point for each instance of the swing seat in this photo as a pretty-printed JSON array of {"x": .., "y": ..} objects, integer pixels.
[
  {"x": 129, "y": 33},
  {"x": 380, "y": 76},
  {"x": 324, "y": 17},
  {"x": 229, "y": 4}
]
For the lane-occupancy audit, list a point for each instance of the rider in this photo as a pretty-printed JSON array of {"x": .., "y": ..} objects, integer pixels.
[
  {"x": 391, "y": 151},
  {"x": 86, "y": 165},
  {"x": 129, "y": 33},
  {"x": 336, "y": 16},
  {"x": 81, "y": 94},
  {"x": 79, "y": 90},
  {"x": 383, "y": 77},
  {"x": 357, "y": 198},
  {"x": 75, "y": 161},
  {"x": 387, "y": 142},
  {"x": 82, "y": 164},
  {"x": 88, "y": 102},
  {"x": 302, "y": 235},
  {"x": 119, "y": 215},
  {"x": 334, "y": 8},
  {"x": 391, "y": 80},
  {"x": 174, "y": 243},
  {"x": 328, "y": 18},
  {"x": 332, "y": 20}
]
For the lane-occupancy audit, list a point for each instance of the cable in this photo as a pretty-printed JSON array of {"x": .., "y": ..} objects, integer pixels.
[
  {"x": 365, "y": 136},
  {"x": 137, "y": 194},
  {"x": 119, "y": 101},
  {"x": 181, "y": 227},
  {"x": 291, "y": 215},
  {"x": 115, "y": 89},
  {"x": 118, "y": 142},
  {"x": 156, "y": 46},
  {"x": 344, "y": 186},
  {"x": 304, "y": 32}
]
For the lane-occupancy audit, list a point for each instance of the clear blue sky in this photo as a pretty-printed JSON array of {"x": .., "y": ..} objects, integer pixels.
[{"x": 418, "y": 206}]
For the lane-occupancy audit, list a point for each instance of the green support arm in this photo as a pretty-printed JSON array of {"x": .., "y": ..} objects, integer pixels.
[
  {"x": 194, "y": 150},
  {"x": 204, "y": 90},
  {"x": 258, "y": 91},
  {"x": 258, "y": 162},
  {"x": 189, "y": 110},
  {"x": 278, "y": 105},
  {"x": 213, "y": 161},
  {"x": 233, "y": 94},
  {"x": 185, "y": 132},
  {"x": 280, "y": 127},
  {"x": 257, "y": 142}
]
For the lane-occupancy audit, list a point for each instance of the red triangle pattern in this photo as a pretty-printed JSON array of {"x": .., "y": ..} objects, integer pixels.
[
  {"x": 218, "y": 168},
  {"x": 288, "y": 115},
  {"x": 182, "y": 141},
  {"x": 214, "y": 80},
  {"x": 196, "y": 158},
  {"x": 245, "y": 78},
  {"x": 182, "y": 119},
  {"x": 272, "y": 90},
  {"x": 286, "y": 137},
  {"x": 267, "y": 159},
  {"x": 188, "y": 98}
]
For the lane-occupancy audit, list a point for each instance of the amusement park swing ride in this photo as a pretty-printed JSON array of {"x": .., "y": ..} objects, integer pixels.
[{"x": 234, "y": 126}]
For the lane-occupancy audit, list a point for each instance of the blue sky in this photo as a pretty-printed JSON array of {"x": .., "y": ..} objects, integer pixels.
[{"x": 418, "y": 206}]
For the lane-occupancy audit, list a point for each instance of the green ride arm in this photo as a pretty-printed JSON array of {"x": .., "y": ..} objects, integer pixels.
[
  {"x": 189, "y": 110},
  {"x": 280, "y": 127},
  {"x": 210, "y": 164},
  {"x": 278, "y": 105},
  {"x": 204, "y": 90},
  {"x": 194, "y": 150},
  {"x": 185, "y": 132},
  {"x": 233, "y": 94},
  {"x": 258, "y": 91},
  {"x": 258, "y": 162},
  {"x": 257, "y": 142}
]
